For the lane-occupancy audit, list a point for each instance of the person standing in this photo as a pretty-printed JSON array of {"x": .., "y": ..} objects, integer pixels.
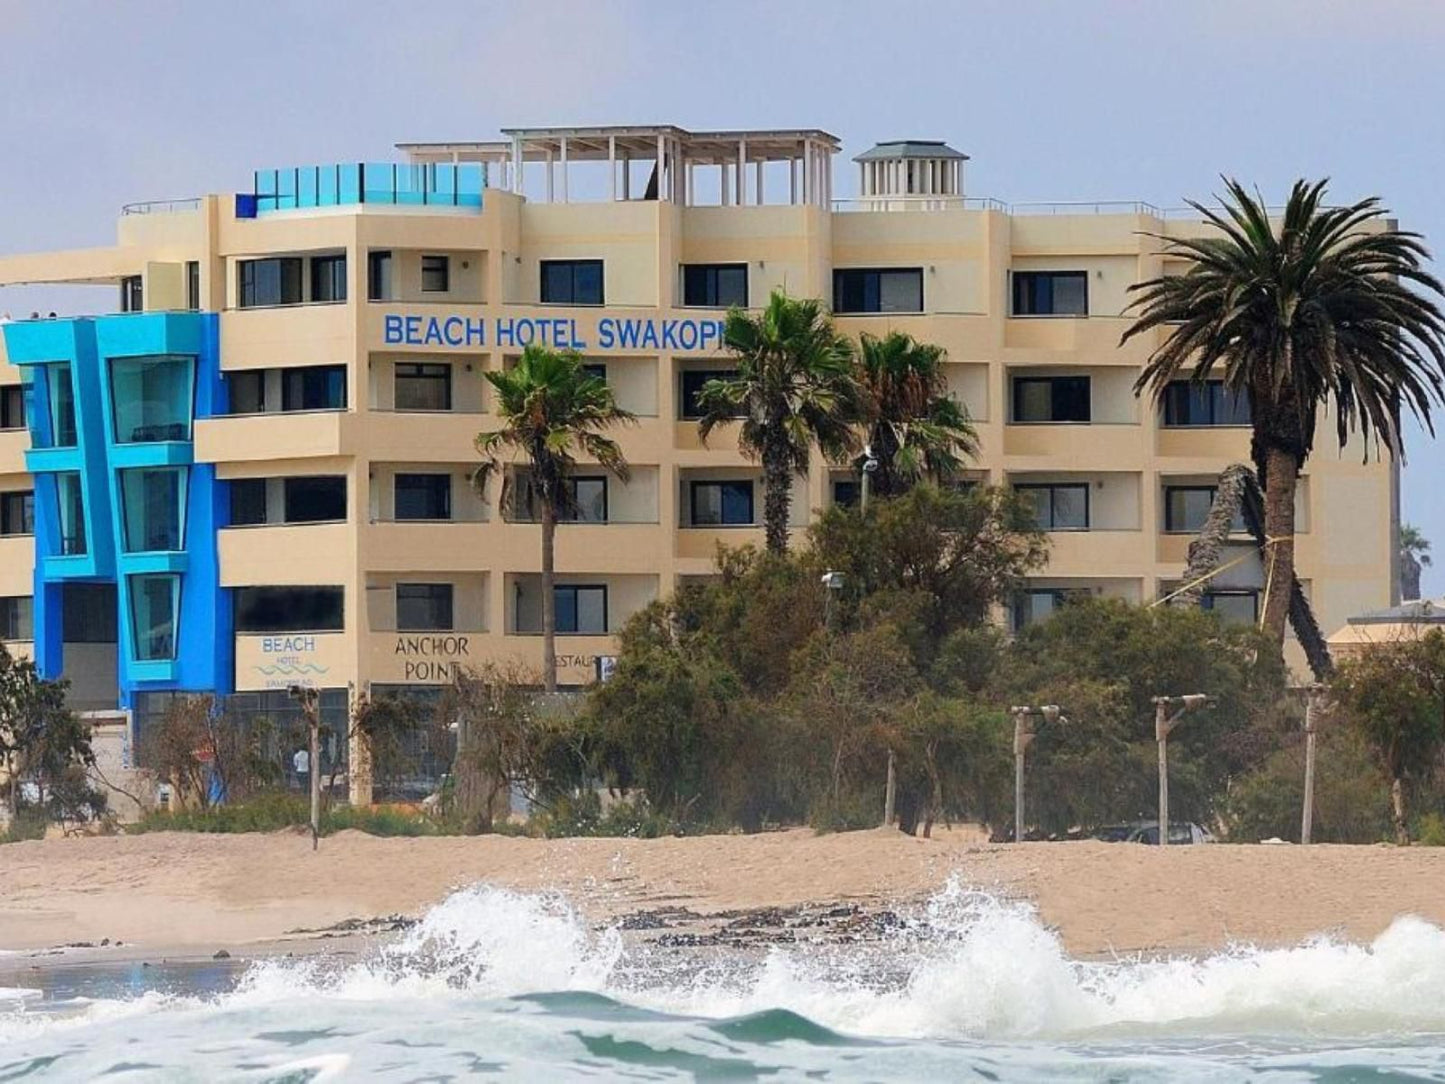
[{"x": 301, "y": 765}]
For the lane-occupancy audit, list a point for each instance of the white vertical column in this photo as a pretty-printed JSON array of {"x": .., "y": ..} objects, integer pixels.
[
  {"x": 807, "y": 170},
  {"x": 758, "y": 195},
  {"x": 742, "y": 171},
  {"x": 661, "y": 165},
  {"x": 792, "y": 179},
  {"x": 550, "y": 176},
  {"x": 612, "y": 167},
  {"x": 564, "y": 169},
  {"x": 724, "y": 182},
  {"x": 626, "y": 175},
  {"x": 517, "y": 164}
]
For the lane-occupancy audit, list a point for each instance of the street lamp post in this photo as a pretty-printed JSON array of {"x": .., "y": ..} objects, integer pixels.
[
  {"x": 1312, "y": 696},
  {"x": 307, "y": 698},
  {"x": 870, "y": 467},
  {"x": 1164, "y": 724},
  {"x": 1023, "y": 737}
]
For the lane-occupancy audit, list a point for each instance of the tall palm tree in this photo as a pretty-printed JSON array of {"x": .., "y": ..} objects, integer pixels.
[
  {"x": 1315, "y": 311},
  {"x": 552, "y": 411},
  {"x": 916, "y": 428},
  {"x": 794, "y": 386},
  {"x": 1414, "y": 557}
]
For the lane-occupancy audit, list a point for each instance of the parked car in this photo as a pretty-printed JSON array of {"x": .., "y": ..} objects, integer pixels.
[{"x": 1148, "y": 832}]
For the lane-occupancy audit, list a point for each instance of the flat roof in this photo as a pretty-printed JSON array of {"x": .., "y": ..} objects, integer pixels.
[{"x": 597, "y": 142}]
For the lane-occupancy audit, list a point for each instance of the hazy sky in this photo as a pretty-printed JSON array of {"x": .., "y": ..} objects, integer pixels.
[{"x": 105, "y": 102}]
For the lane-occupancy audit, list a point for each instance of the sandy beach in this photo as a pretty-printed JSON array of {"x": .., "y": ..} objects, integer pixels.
[{"x": 192, "y": 893}]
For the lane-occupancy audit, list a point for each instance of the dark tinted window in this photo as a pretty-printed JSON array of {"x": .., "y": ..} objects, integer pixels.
[
  {"x": 1186, "y": 507},
  {"x": 422, "y": 607},
  {"x": 878, "y": 290},
  {"x": 12, "y": 407},
  {"x": 722, "y": 504},
  {"x": 1187, "y": 403},
  {"x": 247, "y": 391},
  {"x": 1050, "y": 293},
  {"x": 692, "y": 382},
  {"x": 1058, "y": 507},
  {"x": 131, "y": 294},
  {"x": 275, "y": 281},
  {"x": 314, "y": 387},
  {"x": 17, "y": 512},
  {"x": 1236, "y": 607},
  {"x": 1051, "y": 399},
  {"x": 423, "y": 387},
  {"x": 88, "y": 613},
  {"x": 17, "y": 618},
  {"x": 436, "y": 274},
  {"x": 581, "y": 608},
  {"x": 248, "y": 502},
  {"x": 289, "y": 609},
  {"x": 193, "y": 285},
  {"x": 328, "y": 278},
  {"x": 715, "y": 285},
  {"x": 1039, "y": 604},
  {"x": 423, "y": 496},
  {"x": 572, "y": 282},
  {"x": 378, "y": 276},
  {"x": 846, "y": 493},
  {"x": 315, "y": 500}
]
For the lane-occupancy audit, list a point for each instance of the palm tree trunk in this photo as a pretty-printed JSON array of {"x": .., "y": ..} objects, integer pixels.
[
  {"x": 1281, "y": 479},
  {"x": 777, "y": 501},
  {"x": 549, "y": 600},
  {"x": 1397, "y": 804}
]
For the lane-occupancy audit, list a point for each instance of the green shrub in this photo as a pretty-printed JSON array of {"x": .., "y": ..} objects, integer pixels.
[
  {"x": 582, "y": 816},
  {"x": 1430, "y": 832},
  {"x": 29, "y": 823}
]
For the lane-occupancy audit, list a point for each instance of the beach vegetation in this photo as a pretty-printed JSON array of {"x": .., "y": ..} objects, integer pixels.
[{"x": 44, "y": 747}]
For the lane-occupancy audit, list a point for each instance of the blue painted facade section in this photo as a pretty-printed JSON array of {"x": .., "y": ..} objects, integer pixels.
[{"x": 121, "y": 372}]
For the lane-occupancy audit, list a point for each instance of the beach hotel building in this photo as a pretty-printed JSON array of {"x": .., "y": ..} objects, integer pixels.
[{"x": 250, "y": 468}]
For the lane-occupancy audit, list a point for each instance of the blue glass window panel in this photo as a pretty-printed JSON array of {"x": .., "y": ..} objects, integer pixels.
[
  {"x": 152, "y": 398},
  {"x": 154, "y": 502},
  {"x": 62, "y": 405},
  {"x": 71, "y": 502},
  {"x": 153, "y": 604}
]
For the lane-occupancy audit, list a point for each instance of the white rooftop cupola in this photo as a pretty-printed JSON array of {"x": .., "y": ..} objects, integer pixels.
[{"x": 907, "y": 171}]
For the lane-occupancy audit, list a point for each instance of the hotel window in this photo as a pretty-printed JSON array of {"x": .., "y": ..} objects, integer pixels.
[
  {"x": 1051, "y": 399},
  {"x": 247, "y": 391},
  {"x": 273, "y": 281},
  {"x": 1187, "y": 507},
  {"x": 151, "y": 398},
  {"x": 71, "y": 500},
  {"x": 153, "y": 500},
  {"x": 154, "y": 600},
  {"x": 572, "y": 282},
  {"x": 586, "y": 499},
  {"x": 715, "y": 285},
  {"x": 424, "y": 607},
  {"x": 423, "y": 496},
  {"x": 290, "y": 609},
  {"x": 722, "y": 504},
  {"x": 320, "y": 499},
  {"x": 328, "y": 278},
  {"x": 193, "y": 285},
  {"x": 62, "y": 405},
  {"x": 1050, "y": 293},
  {"x": 12, "y": 406},
  {"x": 863, "y": 290},
  {"x": 423, "y": 387},
  {"x": 17, "y": 618},
  {"x": 314, "y": 387},
  {"x": 581, "y": 609},
  {"x": 248, "y": 502},
  {"x": 132, "y": 295},
  {"x": 1038, "y": 604},
  {"x": 1189, "y": 403},
  {"x": 88, "y": 613},
  {"x": 595, "y": 369},
  {"x": 17, "y": 512},
  {"x": 378, "y": 276},
  {"x": 846, "y": 493},
  {"x": 692, "y": 385},
  {"x": 1058, "y": 507},
  {"x": 1235, "y": 607},
  {"x": 436, "y": 274}
]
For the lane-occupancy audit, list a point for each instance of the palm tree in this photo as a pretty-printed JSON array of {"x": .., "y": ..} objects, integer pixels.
[
  {"x": 1414, "y": 557},
  {"x": 794, "y": 387},
  {"x": 551, "y": 410},
  {"x": 1316, "y": 312},
  {"x": 915, "y": 428}
]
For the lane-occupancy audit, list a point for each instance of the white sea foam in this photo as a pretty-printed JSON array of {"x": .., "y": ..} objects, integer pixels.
[{"x": 966, "y": 966}]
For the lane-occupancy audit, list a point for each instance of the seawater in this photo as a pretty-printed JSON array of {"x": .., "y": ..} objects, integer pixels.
[{"x": 493, "y": 984}]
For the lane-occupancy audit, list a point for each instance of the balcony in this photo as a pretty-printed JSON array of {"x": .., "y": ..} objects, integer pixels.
[
  {"x": 286, "y": 335},
  {"x": 390, "y": 184},
  {"x": 427, "y": 545},
  {"x": 13, "y": 445},
  {"x": 287, "y": 555},
  {"x": 253, "y": 438},
  {"x": 1218, "y": 444},
  {"x": 424, "y": 437},
  {"x": 1080, "y": 446},
  {"x": 701, "y": 543},
  {"x": 1097, "y": 552}
]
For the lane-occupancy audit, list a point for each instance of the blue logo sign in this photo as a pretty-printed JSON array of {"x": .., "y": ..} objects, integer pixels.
[{"x": 682, "y": 336}]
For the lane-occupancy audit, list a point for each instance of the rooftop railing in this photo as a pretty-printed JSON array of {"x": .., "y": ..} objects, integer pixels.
[
  {"x": 162, "y": 206},
  {"x": 394, "y": 184}
]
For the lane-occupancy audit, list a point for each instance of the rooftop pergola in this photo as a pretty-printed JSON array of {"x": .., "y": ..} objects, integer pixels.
[{"x": 675, "y": 152}]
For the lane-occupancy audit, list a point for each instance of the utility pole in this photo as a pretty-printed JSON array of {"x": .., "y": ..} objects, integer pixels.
[
  {"x": 1024, "y": 735},
  {"x": 1312, "y": 696},
  {"x": 1164, "y": 724},
  {"x": 890, "y": 788},
  {"x": 308, "y": 698}
]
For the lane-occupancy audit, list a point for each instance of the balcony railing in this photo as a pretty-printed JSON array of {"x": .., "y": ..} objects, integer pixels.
[
  {"x": 920, "y": 203},
  {"x": 162, "y": 206},
  {"x": 386, "y": 183}
]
